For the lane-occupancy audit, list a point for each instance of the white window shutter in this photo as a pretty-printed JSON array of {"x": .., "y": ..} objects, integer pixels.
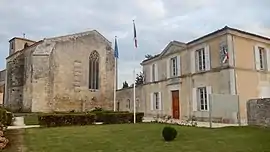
[
  {"x": 156, "y": 72},
  {"x": 268, "y": 58},
  {"x": 169, "y": 68},
  {"x": 207, "y": 58},
  {"x": 151, "y": 101},
  {"x": 257, "y": 57},
  {"x": 194, "y": 99},
  {"x": 208, "y": 92},
  {"x": 178, "y": 65},
  {"x": 160, "y": 101},
  {"x": 151, "y": 73},
  {"x": 192, "y": 61}
]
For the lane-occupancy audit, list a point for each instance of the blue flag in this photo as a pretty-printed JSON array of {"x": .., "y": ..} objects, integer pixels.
[{"x": 115, "y": 48}]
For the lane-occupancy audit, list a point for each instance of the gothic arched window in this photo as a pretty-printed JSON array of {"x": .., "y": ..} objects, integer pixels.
[{"x": 94, "y": 70}]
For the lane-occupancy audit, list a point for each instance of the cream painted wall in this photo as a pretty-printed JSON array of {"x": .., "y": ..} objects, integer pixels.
[{"x": 250, "y": 82}]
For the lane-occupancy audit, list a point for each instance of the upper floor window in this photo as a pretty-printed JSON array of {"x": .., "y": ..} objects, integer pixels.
[
  {"x": 200, "y": 59},
  {"x": 261, "y": 59},
  {"x": 224, "y": 56},
  {"x": 26, "y": 45},
  {"x": 262, "y": 56},
  {"x": 94, "y": 70},
  {"x": 174, "y": 67},
  {"x": 12, "y": 45}
]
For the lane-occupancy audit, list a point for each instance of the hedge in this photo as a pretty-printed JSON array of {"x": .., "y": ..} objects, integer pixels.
[
  {"x": 68, "y": 119},
  {"x": 5, "y": 117},
  {"x": 53, "y": 120}
]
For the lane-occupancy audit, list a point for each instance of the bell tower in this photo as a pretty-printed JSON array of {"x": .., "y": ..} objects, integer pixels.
[{"x": 17, "y": 44}]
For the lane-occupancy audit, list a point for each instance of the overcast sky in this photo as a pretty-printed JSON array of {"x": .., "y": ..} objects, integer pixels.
[{"x": 157, "y": 21}]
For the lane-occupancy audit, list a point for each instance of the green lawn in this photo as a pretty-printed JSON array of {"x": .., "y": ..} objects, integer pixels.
[
  {"x": 144, "y": 138},
  {"x": 29, "y": 118}
]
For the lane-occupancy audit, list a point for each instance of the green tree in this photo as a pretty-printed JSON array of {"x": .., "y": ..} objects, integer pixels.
[{"x": 125, "y": 85}]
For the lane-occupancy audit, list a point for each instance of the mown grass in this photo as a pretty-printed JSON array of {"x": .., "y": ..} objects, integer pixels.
[{"x": 145, "y": 138}]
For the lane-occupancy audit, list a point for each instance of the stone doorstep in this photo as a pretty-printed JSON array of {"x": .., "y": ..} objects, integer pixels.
[{"x": 23, "y": 127}]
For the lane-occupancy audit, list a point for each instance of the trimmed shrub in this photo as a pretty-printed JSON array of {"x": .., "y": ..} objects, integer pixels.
[
  {"x": 169, "y": 133},
  {"x": 113, "y": 117},
  {"x": 107, "y": 117},
  {"x": 54, "y": 120},
  {"x": 5, "y": 117}
]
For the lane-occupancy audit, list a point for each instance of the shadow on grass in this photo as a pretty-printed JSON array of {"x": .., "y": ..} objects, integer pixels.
[{"x": 15, "y": 138}]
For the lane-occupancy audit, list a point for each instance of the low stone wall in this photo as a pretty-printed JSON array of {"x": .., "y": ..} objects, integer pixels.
[{"x": 258, "y": 112}]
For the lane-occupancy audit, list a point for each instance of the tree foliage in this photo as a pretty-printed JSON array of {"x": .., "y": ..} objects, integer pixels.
[
  {"x": 139, "y": 79},
  {"x": 125, "y": 85}
]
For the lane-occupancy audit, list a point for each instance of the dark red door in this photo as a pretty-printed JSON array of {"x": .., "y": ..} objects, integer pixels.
[{"x": 175, "y": 104}]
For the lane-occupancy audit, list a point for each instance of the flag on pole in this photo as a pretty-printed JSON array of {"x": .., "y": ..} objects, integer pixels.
[
  {"x": 134, "y": 94},
  {"x": 135, "y": 34},
  {"x": 116, "y": 55},
  {"x": 115, "y": 48}
]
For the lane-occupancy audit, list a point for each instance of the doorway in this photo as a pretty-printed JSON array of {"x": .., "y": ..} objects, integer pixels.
[{"x": 175, "y": 104}]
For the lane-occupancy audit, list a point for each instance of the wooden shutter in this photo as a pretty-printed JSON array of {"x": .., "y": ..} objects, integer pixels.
[
  {"x": 257, "y": 57},
  {"x": 178, "y": 65},
  {"x": 192, "y": 61},
  {"x": 207, "y": 58},
  {"x": 156, "y": 72},
  {"x": 160, "y": 101},
  {"x": 208, "y": 92},
  {"x": 194, "y": 99},
  {"x": 169, "y": 68},
  {"x": 268, "y": 59},
  {"x": 151, "y": 73},
  {"x": 151, "y": 101}
]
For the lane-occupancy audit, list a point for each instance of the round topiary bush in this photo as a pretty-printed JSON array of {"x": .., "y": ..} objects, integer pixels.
[{"x": 169, "y": 133}]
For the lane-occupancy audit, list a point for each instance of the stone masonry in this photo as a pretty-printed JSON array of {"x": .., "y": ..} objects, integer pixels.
[
  {"x": 53, "y": 74},
  {"x": 258, "y": 112}
]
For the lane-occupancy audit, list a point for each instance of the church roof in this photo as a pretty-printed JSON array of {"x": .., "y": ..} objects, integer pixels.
[{"x": 46, "y": 45}]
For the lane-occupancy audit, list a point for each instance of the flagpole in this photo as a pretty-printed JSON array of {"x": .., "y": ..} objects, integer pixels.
[
  {"x": 115, "y": 74},
  {"x": 114, "y": 92},
  {"x": 134, "y": 78}
]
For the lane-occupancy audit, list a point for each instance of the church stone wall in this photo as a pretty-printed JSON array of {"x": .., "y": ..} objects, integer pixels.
[
  {"x": 71, "y": 74},
  {"x": 258, "y": 112},
  {"x": 15, "y": 82}
]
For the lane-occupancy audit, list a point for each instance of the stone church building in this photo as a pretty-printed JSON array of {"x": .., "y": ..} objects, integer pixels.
[{"x": 72, "y": 72}]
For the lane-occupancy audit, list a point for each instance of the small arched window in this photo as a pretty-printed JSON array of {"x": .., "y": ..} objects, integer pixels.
[
  {"x": 94, "y": 71},
  {"x": 26, "y": 45},
  {"x": 138, "y": 103},
  {"x": 128, "y": 104}
]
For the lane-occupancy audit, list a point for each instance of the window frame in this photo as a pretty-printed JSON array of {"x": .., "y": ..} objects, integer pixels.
[
  {"x": 156, "y": 101},
  {"x": 222, "y": 53},
  {"x": 200, "y": 60},
  {"x": 94, "y": 71},
  {"x": 262, "y": 58},
  {"x": 174, "y": 66},
  {"x": 202, "y": 99}
]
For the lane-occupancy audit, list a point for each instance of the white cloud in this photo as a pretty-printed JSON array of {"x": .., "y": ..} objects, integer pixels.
[{"x": 157, "y": 22}]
